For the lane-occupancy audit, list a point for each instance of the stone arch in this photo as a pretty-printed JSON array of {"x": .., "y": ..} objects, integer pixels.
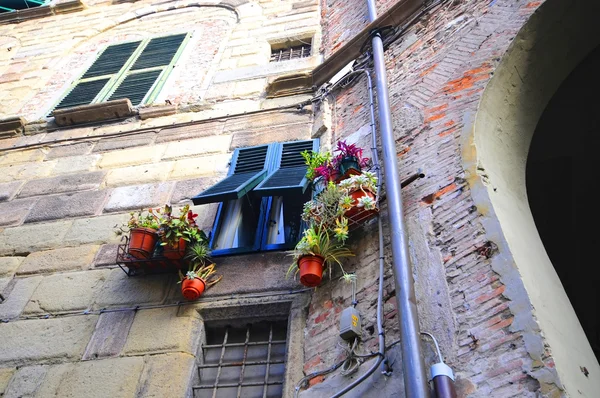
[{"x": 552, "y": 43}]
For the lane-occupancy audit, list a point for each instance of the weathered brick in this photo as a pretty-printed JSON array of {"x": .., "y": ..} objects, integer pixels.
[
  {"x": 162, "y": 330},
  {"x": 31, "y": 238},
  {"x": 94, "y": 230},
  {"x": 111, "y": 144},
  {"x": 106, "y": 256},
  {"x": 185, "y": 190},
  {"x": 8, "y": 265},
  {"x": 9, "y": 189},
  {"x": 198, "y": 146},
  {"x": 167, "y": 375},
  {"x": 15, "y": 211},
  {"x": 59, "y": 260},
  {"x": 66, "y": 292},
  {"x": 64, "y": 206},
  {"x": 17, "y": 298},
  {"x": 138, "y": 197},
  {"x": 139, "y": 174},
  {"x": 131, "y": 156},
  {"x": 82, "y": 148},
  {"x": 120, "y": 290},
  {"x": 110, "y": 335},
  {"x": 61, "y": 184}
]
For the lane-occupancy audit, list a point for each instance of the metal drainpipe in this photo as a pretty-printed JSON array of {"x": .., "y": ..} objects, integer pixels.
[{"x": 415, "y": 379}]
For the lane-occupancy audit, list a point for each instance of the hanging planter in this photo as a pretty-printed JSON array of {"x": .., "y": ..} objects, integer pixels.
[
  {"x": 348, "y": 163},
  {"x": 192, "y": 289},
  {"x": 176, "y": 251},
  {"x": 199, "y": 277},
  {"x": 142, "y": 242},
  {"x": 358, "y": 199},
  {"x": 311, "y": 270}
]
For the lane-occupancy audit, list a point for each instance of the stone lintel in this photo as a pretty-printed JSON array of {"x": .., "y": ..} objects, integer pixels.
[{"x": 103, "y": 111}]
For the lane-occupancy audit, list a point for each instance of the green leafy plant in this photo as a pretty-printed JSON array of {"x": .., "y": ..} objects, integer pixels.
[
  {"x": 318, "y": 165},
  {"x": 172, "y": 229},
  {"x": 150, "y": 218},
  {"x": 365, "y": 181},
  {"x": 205, "y": 272}
]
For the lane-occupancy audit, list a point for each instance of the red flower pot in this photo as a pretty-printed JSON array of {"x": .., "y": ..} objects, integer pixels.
[
  {"x": 175, "y": 252},
  {"x": 192, "y": 288},
  {"x": 355, "y": 195},
  {"x": 311, "y": 270},
  {"x": 142, "y": 242}
]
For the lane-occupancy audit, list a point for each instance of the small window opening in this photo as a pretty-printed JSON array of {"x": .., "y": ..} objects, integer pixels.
[
  {"x": 295, "y": 51},
  {"x": 243, "y": 360}
]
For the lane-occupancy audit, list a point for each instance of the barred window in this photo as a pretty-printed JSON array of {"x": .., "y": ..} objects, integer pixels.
[
  {"x": 292, "y": 52},
  {"x": 243, "y": 360}
]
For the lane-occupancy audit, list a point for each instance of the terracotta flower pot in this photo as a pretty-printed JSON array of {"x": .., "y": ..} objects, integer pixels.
[
  {"x": 142, "y": 242},
  {"x": 311, "y": 270},
  {"x": 175, "y": 252},
  {"x": 355, "y": 195},
  {"x": 192, "y": 288}
]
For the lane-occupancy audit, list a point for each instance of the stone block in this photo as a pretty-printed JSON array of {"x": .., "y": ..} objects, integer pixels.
[
  {"x": 66, "y": 292},
  {"x": 26, "y": 381},
  {"x": 203, "y": 166},
  {"x": 4, "y": 282},
  {"x": 116, "y": 377},
  {"x": 157, "y": 111},
  {"x": 138, "y": 197},
  {"x": 189, "y": 132},
  {"x": 62, "y": 184},
  {"x": 11, "y": 126},
  {"x": 15, "y": 211},
  {"x": 75, "y": 164},
  {"x": 108, "y": 110},
  {"x": 17, "y": 299},
  {"x": 59, "y": 260},
  {"x": 5, "y": 376},
  {"x": 65, "y": 206},
  {"x": 29, "y": 155},
  {"x": 110, "y": 144},
  {"x": 265, "y": 120},
  {"x": 28, "y": 341},
  {"x": 131, "y": 156},
  {"x": 133, "y": 175},
  {"x": 161, "y": 330},
  {"x": 185, "y": 190},
  {"x": 9, "y": 189},
  {"x": 167, "y": 375},
  {"x": 32, "y": 171},
  {"x": 30, "y": 238},
  {"x": 52, "y": 379},
  {"x": 110, "y": 335},
  {"x": 82, "y": 148},
  {"x": 198, "y": 146},
  {"x": 106, "y": 256},
  {"x": 96, "y": 230},
  {"x": 120, "y": 290},
  {"x": 66, "y": 6},
  {"x": 8, "y": 265},
  {"x": 284, "y": 133}
]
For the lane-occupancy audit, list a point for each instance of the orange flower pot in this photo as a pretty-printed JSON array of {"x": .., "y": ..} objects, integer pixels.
[
  {"x": 192, "y": 288},
  {"x": 175, "y": 252},
  {"x": 355, "y": 195},
  {"x": 142, "y": 242},
  {"x": 311, "y": 270}
]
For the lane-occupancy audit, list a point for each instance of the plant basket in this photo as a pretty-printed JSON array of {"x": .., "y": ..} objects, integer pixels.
[
  {"x": 356, "y": 195},
  {"x": 175, "y": 252},
  {"x": 142, "y": 242},
  {"x": 192, "y": 288},
  {"x": 311, "y": 270},
  {"x": 348, "y": 163}
]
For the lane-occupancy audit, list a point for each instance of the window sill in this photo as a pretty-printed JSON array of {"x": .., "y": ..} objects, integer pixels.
[
  {"x": 110, "y": 110},
  {"x": 11, "y": 126},
  {"x": 59, "y": 7}
]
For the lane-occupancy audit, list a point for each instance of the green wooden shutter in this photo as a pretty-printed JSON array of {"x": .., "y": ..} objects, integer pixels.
[
  {"x": 105, "y": 68},
  {"x": 288, "y": 177},
  {"x": 248, "y": 168},
  {"x": 155, "y": 60}
]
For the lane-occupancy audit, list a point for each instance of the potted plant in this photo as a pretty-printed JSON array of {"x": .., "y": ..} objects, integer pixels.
[
  {"x": 348, "y": 159},
  {"x": 142, "y": 228},
  {"x": 176, "y": 232},
  {"x": 316, "y": 250},
  {"x": 319, "y": 168},
  {"x": 360, "y": 193},
  {"x": 200, "y": 276}
]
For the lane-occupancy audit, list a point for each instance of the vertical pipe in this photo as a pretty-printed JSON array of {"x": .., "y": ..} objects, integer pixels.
[{"x": 415, "y": 379}]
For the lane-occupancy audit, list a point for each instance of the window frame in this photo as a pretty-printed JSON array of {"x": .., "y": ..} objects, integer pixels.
[
  {"x": 117, "y": 78},
  {"x": 266, "y": 202}
]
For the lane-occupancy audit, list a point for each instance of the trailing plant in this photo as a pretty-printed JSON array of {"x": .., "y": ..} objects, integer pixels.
[
  {"x": 327, "y": 209},
  {"x": 199, "y": 271},
  {"x": 365, "y": 181}
]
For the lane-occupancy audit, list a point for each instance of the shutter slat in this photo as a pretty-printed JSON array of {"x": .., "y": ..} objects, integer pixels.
[
  {"x": 249, "y": 170},
  {"x": 290, "y": 177},
  {"x": 111, "y": 60},
  {"x": 158, "y": 52},
  {"x": 82, "y": 94},
  {"x": 135, "y": 86}
]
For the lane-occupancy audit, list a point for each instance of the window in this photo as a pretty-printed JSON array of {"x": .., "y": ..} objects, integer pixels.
[
  {"x": 134, "y": 70},
  {"x": 15, "y": 5},
  {"x": 301, "y": 50},
  {"x": 261, "y": 199},
  {"x": 243, "y": 359}
]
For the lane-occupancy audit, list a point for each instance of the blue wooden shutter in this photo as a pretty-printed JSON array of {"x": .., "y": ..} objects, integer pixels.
[
  {"x": 248, "y": 168},
  {"x": 288, "y": 176}
]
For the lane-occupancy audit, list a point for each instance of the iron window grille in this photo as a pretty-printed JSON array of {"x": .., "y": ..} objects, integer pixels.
[
  {"x": 243, "y": 360},
  {"x": 136, "y": 70},
  {"x": 261, "y": 199},
  {"x": 292, "y": 52}
]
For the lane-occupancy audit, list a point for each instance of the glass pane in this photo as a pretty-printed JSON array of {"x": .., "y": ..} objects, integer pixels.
[
  {"x": 285, "y": 220},
  {"x": 238, "y": 224}
]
